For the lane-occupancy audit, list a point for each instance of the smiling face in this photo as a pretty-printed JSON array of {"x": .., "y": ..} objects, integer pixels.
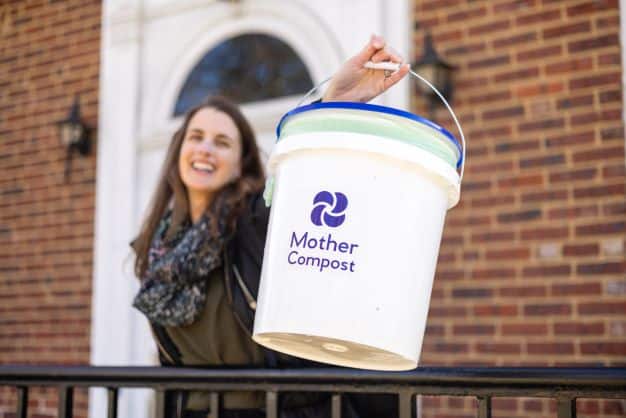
[{"x": 210, "y": 155}]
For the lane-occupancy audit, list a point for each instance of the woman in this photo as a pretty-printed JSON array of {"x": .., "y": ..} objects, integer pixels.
[{"x": 199, "y": 251}]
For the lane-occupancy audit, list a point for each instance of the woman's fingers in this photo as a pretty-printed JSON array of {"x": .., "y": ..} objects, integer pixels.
[
  {"x": 375, "y": 44},
  {"x": 396, "y": 76},
  {"x": 386, "y": 54}
]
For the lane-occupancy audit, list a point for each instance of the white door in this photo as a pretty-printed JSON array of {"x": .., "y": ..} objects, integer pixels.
[{"x": 149, "y": 48}]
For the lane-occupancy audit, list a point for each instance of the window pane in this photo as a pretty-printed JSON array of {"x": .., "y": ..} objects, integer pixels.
[{"x": 246, "y": 68}]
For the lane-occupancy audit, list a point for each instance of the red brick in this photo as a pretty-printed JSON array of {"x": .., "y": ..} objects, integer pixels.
[
  {"x": 604, "y": 348},
  {"x": 550, "y": 348},
  {"x": 609, "y": 59},
  {"x": 547, "y": 309},
  {"x": 539, "y": 17},
  {"x": 540, "y": 53},
  {"x": 489, "y": 62},
  {"x": 541, "y": 125},
  {"x": 599, "y": 191},
  {"x": 593, "y": 43},
  {"x": 601, "y": 268},
  {"x": 513, "y": 5},
  {"x": 546, "y": 271},
  {"x": 568, "y": 29},
  {"x": 595, "y": 81},
  {"x": 471, "y": 293},
  {"x": 517, "y": 217},
  {"x": 591, "y": 7},
  {"x": 473, "y": 330},
  {"x": 570, "y": 65},
  {"x": 540, "y": 89},
  {"x": 447, "y": 311},
  {"x": 498, "y": 348},
  {"x": 516, "y": 75},
  {"x": 504, "y": 113},
  {"x": 569, "y": 289},
  {"x": 467, "y": 14},
  {"x": 618, "y": 208},
  {"x": 515, "y": 147},
  {"x": 574, "y": 175},
  {"x": 545, "y": 196},
  {"x": 581, "y": 250},
  {"x": 492, "y": 236},
  {"x": 517, "y": 39},
  {"x": 602, "y": 308},
  {"x": 493, "y": 26},
  {"x": 523, "y": 291},
  {"x": 495, "y": 310},
  {"x": 614, "y": 407},
  {"x": 465, "y": 49},
  {"x": 612, "y": 133},
  {"x": 449, "y": 348},
  {"x": 573, "y": 212},
  {"x": 546, "y": 160},
  {"x": 524, "y": 329},
  {"x": 542, "y": 233},
  {"x": 614, "y": 171},
  {"x": 599, "y": 154},
  {"x": 490, "y": 97},
  {"x": 492, "y": 201},
  {"x": 493, "y": 273},
  {"x": 601, "y": 229},
  {"x": 571, "y": 139},
  {"x": 574, "y": 102},
  {"x": 521, "y": 253},
  {"x": 610, "y": 96},
  {"x": 579, "y": 328}
]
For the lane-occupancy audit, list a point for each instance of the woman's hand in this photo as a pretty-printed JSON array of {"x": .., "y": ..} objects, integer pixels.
[{"x": 354, "y": 83}]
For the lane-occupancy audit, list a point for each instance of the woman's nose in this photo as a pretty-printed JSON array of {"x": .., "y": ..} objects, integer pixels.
[{"x": 207, "y": 146}]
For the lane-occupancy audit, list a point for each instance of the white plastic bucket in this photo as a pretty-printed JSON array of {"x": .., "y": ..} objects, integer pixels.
[{"x": 358, "y": 209}]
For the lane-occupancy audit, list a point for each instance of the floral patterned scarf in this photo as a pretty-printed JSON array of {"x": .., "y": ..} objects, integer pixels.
[{"x": 173, "y": 288}]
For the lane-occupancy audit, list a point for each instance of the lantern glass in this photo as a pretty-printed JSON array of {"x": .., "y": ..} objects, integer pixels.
[{"x": 70, "y": 133}]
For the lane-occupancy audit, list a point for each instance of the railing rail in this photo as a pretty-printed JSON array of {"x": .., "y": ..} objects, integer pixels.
[{"x": 563, "y": 384}]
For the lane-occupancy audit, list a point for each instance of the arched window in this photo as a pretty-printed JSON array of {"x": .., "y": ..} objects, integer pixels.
[{"x": 246, "y": 68}]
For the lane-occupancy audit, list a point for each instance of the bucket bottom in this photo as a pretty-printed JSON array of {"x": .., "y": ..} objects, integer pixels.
[{"x": 334, "y": 351}]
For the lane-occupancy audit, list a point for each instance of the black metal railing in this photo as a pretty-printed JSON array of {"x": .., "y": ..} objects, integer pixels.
[{"x": 563, "y": 384}]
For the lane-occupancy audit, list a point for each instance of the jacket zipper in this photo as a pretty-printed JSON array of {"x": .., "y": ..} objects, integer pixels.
[
  {"x": 247, "y": 294},
  {"x": 229, "y": 295}
]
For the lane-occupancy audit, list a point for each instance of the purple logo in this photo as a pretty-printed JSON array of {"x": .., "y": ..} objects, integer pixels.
[{"x": 329, "y": 209}]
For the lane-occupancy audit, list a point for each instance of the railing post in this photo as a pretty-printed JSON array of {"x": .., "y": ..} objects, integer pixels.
[
  {"x": 214, "y": 400},
  {"x": 66, "y": 400},
  {"x": 112, "y": 402},
  {"x": 566, "y": 408},
  {"x": 484, "y": 407},
  {"x": 22, "y": 402},
  {"x": 406, "y": 404},
  {"x": 336, "y": 406},
  {"x": 271, "y": 404}
]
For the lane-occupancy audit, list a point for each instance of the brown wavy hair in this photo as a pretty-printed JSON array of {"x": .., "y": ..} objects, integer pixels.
[{"x": 171, "y": 192}]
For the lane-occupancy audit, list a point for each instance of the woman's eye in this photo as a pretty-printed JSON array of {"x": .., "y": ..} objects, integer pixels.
[{"x": 222, "y": 143}]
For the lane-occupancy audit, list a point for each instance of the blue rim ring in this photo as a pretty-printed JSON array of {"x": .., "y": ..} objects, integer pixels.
[{"x": 372, "y": 108}]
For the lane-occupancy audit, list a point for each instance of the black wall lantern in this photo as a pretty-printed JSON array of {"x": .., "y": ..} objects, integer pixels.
[
  {"x": 74, "y": 135},
  {"x": 434, "y": 69}
]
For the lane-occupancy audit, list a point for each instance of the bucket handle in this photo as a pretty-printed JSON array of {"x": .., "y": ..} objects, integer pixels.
[{"x": 394, "y": 67}]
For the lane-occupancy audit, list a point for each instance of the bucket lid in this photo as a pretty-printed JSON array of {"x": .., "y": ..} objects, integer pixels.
[{"x": 373, "y": 108}]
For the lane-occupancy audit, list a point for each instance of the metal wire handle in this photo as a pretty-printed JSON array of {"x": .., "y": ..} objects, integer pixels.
[{"x": 395, "y": 67}]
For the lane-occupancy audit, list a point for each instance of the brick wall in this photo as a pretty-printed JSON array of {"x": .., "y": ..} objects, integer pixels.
[
  {"x": 531, "y": 269},
  {"x": 49, "y": 51}
]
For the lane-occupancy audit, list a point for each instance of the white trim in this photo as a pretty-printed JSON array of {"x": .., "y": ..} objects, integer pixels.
[
  {"x": 286, "y": 21},
  {"x": 113, "y": 281}
]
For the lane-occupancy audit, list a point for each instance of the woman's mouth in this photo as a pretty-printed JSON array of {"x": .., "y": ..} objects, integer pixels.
[{"x": 203, "y": 167}]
